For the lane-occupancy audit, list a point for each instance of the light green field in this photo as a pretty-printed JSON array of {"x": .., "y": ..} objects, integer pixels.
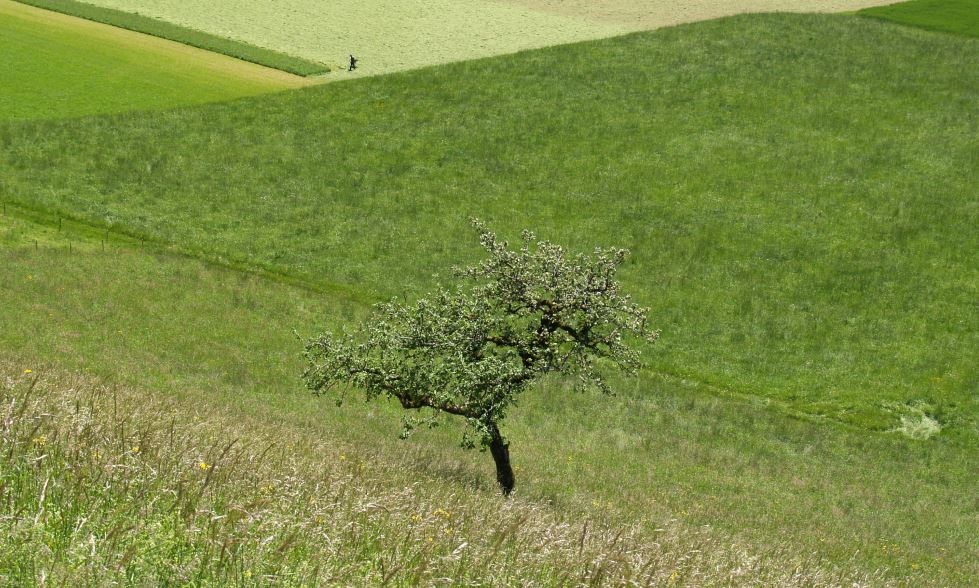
[
  {"x": 391, "y": 35},
  {"x": 57, "y": 66}
]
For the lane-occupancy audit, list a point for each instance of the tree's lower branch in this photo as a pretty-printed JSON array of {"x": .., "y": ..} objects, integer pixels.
[{"x": 428, "y": 402}]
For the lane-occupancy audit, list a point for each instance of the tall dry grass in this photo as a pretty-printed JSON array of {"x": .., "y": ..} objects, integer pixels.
[{"x": 106, "y": 485}]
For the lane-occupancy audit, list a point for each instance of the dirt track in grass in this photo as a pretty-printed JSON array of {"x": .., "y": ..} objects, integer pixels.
[{"x": 394, "y": 35}]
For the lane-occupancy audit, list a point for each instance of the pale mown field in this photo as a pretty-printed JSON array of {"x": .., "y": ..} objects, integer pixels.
[{"x": 392, "y": 35}]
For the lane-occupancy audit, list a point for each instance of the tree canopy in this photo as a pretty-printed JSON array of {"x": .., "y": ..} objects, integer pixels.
[{"x": 472, "y": 350}]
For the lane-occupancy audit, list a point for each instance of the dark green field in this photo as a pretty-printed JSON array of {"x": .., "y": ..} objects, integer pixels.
[{"x": 952, "y": 16}]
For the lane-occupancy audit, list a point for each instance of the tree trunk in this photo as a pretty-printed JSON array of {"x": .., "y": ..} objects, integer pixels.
[{"x": 501, "y": 455}]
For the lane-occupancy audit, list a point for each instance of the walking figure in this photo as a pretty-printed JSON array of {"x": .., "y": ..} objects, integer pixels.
[{"x": 353, "y": 63}]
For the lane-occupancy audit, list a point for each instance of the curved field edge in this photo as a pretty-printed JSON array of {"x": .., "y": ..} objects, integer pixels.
[
  {"x": 960, "y": 17},
  {"x": 180, "y": 34},
  {"x": 778, "y": 197}
]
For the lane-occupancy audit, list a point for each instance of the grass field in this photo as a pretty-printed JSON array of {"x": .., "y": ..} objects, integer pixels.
[
  {"x": 952, "y": 16},
  {"x": 220, "y": 344},
  {"x": 159, "y": 28},
  {"x": 57, "y": 66},
  {"x": 392, "y": 35},
  {"x": 799, "y": 193},
  {"x": 808, "y": 231}
]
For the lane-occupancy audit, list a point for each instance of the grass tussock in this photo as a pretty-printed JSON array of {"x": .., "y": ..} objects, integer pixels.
[{"x": 103, "y": 485}]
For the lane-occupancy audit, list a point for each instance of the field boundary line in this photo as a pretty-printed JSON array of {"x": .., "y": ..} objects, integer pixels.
[{"x": 87, "y": 230}]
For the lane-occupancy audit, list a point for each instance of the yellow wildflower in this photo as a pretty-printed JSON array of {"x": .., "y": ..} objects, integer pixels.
[
  {"x": 28, "y": 371},
  {"x": 204, "y": 466},
  {"x": 41, "y": 440}
]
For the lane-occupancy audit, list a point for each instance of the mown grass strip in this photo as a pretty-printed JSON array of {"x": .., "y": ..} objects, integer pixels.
[
  {"x": 172, "y": 32},
  {"x": 960, "y": 17}
]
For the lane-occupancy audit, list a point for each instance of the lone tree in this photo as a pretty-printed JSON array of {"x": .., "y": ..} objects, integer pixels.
[{"x": 471, "y": 351}]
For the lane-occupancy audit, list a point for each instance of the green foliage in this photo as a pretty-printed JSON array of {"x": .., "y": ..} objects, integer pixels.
[
  {"x": 951, "y": 16},
  {"x": 187, "y": 36},
  {"x": 785, "y": 187},
  {"x": 53, "y": 69},
  {"x": 472, "y": 351}
]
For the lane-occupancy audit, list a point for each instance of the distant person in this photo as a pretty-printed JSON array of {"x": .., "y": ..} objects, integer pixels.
[{"x": 353, "y": 63}]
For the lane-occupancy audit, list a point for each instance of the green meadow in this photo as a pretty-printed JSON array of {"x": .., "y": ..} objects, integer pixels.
[
  {"x": 804, "y": 204},
  {"x": 58, "y": 67},
  {"x": 798, "y": 193}
]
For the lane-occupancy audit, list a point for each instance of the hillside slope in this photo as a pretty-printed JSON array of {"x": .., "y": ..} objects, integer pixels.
[
  {"x": 214, "y": 350},
  {"x": 798, "y": 193}
]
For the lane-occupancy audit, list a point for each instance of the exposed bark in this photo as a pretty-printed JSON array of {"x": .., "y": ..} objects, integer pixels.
[{"x": 501, "y": 455}]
